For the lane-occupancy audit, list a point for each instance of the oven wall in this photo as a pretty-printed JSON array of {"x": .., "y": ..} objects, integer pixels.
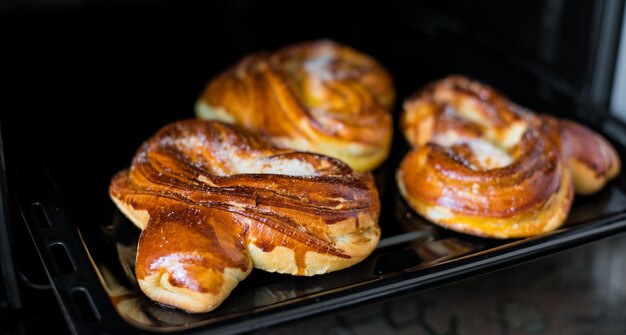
[
  {"x": 618, "y": 97},
  {"x": 125, "y": 69},
  {"x": 121, "y": 70}
]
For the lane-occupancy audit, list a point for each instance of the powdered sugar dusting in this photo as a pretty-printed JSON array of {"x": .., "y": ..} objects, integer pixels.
[
  {"x": 175, "y": 265},
  {"x": 488, "y": 155},
  {"x": 225, "y": 157},
  {"x": 253, "y": 162},
  {"x": 291, "y": 167},
  {"x": 183, "y": 142},
  {"x": 319, "y": 66},
  {"x": 448, "y": 138}
]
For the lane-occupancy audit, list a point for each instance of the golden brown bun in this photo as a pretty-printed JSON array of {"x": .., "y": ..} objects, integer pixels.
[
  {"x": 482, "y": 165},
  {"x": 319, "y": 96},
  {"x": 213, "y": 200}
]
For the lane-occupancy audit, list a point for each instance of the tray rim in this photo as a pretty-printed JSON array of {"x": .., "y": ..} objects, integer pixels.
[
  {"x": 383, "y": 288},
  {"x": 388, "y": 286}
]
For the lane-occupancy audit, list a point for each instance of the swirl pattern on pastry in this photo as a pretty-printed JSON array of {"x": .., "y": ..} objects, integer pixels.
[
  {"x": 214, "y": 200},
  {"x": 319, "y": 96},
  {"x": 482, "y": 165}
]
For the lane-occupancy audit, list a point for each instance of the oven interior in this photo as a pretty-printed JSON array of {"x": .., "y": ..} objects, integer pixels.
[{"x": 90, "y": 81}]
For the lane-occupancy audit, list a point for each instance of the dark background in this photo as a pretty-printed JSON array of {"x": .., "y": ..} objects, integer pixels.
[
  {"x": 81, "y": 72},
  {"x": 87, "y": 81}
]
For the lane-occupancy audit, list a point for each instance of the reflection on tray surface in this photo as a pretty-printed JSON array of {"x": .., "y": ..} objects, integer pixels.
[{"x": 409, "y": 243}]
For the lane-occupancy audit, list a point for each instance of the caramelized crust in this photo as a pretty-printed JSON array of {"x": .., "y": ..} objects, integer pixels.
[
  {"x": 484, "y": 166},
  {"x": 213, "y": 201},
  {"x": 319, "y": 96},
  {"x": 591, "y": 158}
]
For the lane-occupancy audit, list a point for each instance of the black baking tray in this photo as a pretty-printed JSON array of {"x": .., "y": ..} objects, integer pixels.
[
  {"x": 90, "y": 263},
  {"x": 139, "y": 77}
]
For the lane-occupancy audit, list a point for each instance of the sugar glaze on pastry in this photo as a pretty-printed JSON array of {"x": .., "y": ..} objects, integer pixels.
[
  {"x": 319, "y": 96},
  {"x": 484, "y": 166},
  {"x": 214, "y": 200}
]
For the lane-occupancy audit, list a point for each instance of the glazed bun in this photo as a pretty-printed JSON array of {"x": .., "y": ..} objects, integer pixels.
[
  {"x": 214, "y": 201},
  {"x": 320, "y": 97},
  {"x": 591, "y": 158},
  {"x": 485, "y": 166}
]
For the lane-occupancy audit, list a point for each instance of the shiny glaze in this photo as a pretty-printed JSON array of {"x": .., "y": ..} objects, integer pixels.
[
  {"x": 309, "y": 93},
  {"x": 441, "y": 176},
  {"x": 443, "y": 171},
  {"x": 584, "y": 145},
  {"x": 204, "y": 213},
  {"x": 453, "y": 104}
]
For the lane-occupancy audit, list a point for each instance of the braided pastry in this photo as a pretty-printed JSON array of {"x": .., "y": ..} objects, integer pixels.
[
  {"x": 484, "y": 166},
  {"x": 319, "y": 96},
  {"x": 213, "y": 201}
]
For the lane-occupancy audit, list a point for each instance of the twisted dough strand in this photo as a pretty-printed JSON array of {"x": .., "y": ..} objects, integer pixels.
[
  {"x": 485, "y": 166},
  {"x": 591, "y": 158},
  {"x": 318, "y": 96},
  {"x": 214, "y": 200}
]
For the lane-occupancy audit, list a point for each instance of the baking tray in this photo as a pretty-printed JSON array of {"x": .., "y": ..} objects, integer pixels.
[
  {"x": 139, "y": 80},
  {"x": 90, "y": 263}
]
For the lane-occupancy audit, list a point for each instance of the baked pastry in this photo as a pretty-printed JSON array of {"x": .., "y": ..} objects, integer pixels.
[
  {"x": 592, "y": 160},
  {"x": 319, "y": 96},
  {"x": 484, "y": 166},
  {"x": 214, "y": 200}
]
